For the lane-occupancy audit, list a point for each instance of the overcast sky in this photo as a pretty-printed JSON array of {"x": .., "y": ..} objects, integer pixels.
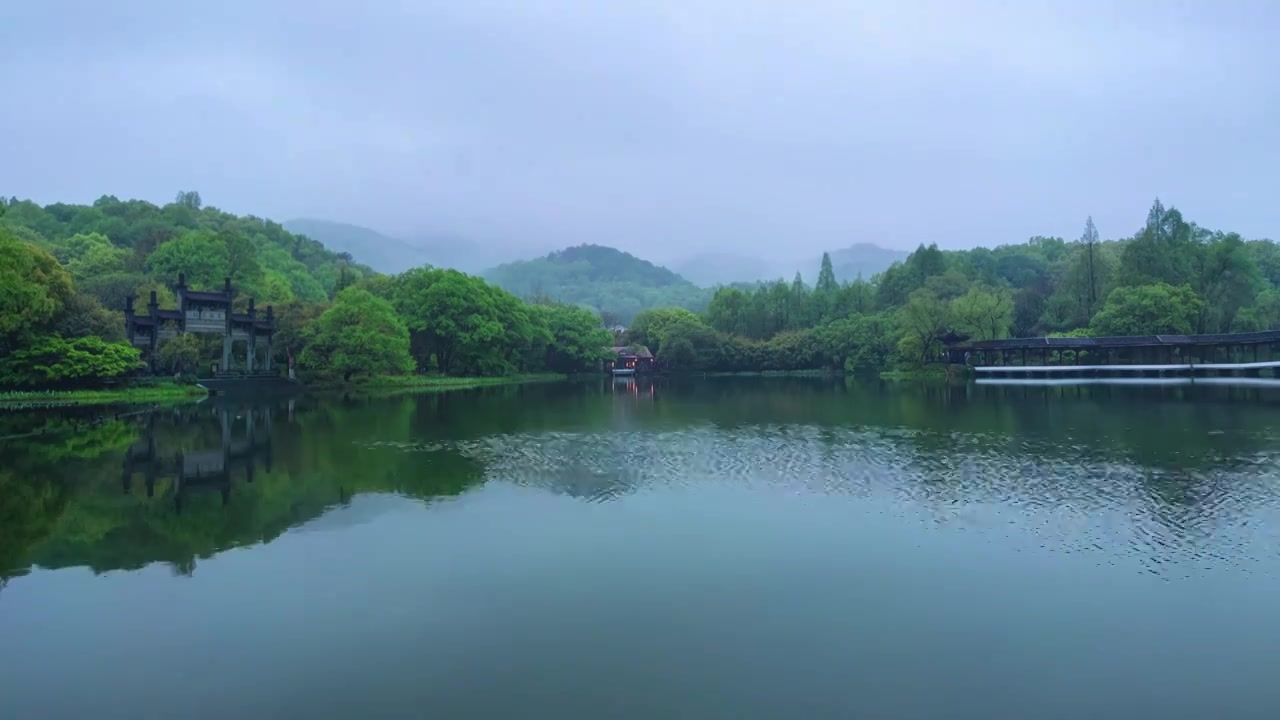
[{"x": 669, "y": 127}]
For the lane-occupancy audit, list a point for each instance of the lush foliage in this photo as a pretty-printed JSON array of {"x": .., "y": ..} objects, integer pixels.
[
  {"x": 1170, "y": 277},
  {"x": 358, "y": 333},
  {"x": 51, "y": 361},
  {"x": 116, "y": 247},
  {"x": 66, "y": 271},
  {"x": 1156, "y": 309},
  {"x": 50, "y": 335}
]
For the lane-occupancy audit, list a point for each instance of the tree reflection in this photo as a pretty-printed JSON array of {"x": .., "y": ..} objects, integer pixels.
[
  {"x": 178, "y": 485},
  {"x": 189, "y": 482}
]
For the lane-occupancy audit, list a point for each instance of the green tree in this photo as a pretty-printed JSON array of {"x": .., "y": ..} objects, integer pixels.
[
  {"x": 242, "y": 256},
  {"x": 730, "y": 312},
  {"x": 359, "y": 333},
  {"x": 857, "y": 344},
  {"x": 578, "y": 342},
  {"x": 678, "y": 355},
  {"x": 84, "y": 316},
  {"x": 1028, "y": 307},
  {"x": 1161, "y": 253},
  {"x": 180, "y": 354},
  {"x": 924, "y": 319},
  {"x": 1261, "y": 314},
  {"x": 189, "y": 199},
  {"x": 201, "y": 255},
  {"x": 1227, "y": 279},
  {"x": 1090, "y": 242},
  {"x": 467, "y": 325},
  {"x": 826, "y": 290},
  {"x": 855, "y": 298},
  {"x": 983, "y": 314},
  {"x": 99, "y": 260},
  {"x": 1157, "y": 309},
  {"x": 53, "y": 361},
  {"x": 800, "y": 306},
  {"x": 689, "y": 344},
  {"x": 650, "y": 327},
  {"x": 827, "y": 284},
  {"x": 34, "y": 291}
]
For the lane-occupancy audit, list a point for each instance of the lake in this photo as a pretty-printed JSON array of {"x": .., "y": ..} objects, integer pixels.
[{"x": 719, "y": 548}]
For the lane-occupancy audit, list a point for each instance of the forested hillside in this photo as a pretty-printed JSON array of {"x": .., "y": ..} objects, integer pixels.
[
  {"x": 615, "y": 283},
  {"x": 113, "y": 248},
  {"x": 66, "y": 270},
  {"x": 1172, "y": 276}
]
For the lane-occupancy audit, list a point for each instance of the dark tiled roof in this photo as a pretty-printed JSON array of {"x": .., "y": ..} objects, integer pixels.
[{"x": 203, "y": 296}]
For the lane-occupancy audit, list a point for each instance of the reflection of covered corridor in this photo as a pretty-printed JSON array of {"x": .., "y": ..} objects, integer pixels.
[{"x": 245, "y": 441}]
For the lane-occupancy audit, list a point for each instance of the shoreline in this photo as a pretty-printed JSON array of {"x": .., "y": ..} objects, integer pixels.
[
  {"x": 16, "y": 400},
  {"x": 428, "y": 383},
  {"x": 167, "y": 392},
  {"x": 21, "y": 400}
]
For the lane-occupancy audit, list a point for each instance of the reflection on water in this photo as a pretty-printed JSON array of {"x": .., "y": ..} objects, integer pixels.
[
  {"x": 1187, "y": 470},
  {"x": 245, "y": 442},
  {"x": 620, "y": 548}
]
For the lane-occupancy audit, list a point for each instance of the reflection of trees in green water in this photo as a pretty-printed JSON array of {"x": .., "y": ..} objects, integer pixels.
[
  {"x": 1168, "y": 428},
  {"x": 1158, "y": 427},
  {"x": 34, "y": 492},
  {"x": 1183, "y": 449},
  {"x": 80, "y": 514}
]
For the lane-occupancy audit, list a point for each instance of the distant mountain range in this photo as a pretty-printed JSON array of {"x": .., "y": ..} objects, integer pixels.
[
  {"x": 394, "y": 255},
  {"x": 712, "y": 269},
  {"x": 600, "y": 277}
]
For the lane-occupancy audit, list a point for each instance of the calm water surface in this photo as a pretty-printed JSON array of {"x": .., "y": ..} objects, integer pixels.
[{"x": 718, "y": 549}]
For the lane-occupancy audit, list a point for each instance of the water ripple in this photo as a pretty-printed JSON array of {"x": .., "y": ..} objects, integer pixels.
[{"x": 1061, "y": 494}]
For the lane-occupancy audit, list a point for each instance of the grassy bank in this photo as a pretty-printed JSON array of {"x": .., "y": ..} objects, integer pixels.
[
  {"x": 159, "y": 392},
  {"x": 426, "y": 383},
  {"x": 933, "y": 372},
  {"x": 773, "y": 373}
]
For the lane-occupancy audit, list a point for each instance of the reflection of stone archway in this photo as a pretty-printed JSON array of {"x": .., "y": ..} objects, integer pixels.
[{"x": 245, "y": 443}]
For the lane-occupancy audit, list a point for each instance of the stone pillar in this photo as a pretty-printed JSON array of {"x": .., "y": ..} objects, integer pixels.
[
  {"x": 153, "y": 307},
  {"x": 225, "y": 366},
  {"x": 251, "y": 352},
  {"x": 128, "y": 318},
  {"x": 271, "y": 318}
]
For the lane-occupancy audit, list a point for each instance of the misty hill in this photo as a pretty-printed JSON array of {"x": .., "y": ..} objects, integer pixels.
[
  {"x": 711, "y": 269},
  {"x": 863, "y": 259},
  {"x": 388, "y": 254},
  {"x": 380, "y": 252},
  {"x": 603, "y": 278}
]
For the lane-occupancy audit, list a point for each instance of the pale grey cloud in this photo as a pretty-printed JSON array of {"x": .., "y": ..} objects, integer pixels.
[{"x": 674, "y": 126}]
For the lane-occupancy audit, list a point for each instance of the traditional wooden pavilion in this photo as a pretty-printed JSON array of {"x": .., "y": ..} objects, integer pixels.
[
  {"x": 207, "y": 312},
  {"x": 628, "y": 360}
]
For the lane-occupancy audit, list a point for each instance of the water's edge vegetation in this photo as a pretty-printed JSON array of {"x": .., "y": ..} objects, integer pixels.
[
  {"x": 68, "y": 269},
  {"x": 156, "y": 393}
]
